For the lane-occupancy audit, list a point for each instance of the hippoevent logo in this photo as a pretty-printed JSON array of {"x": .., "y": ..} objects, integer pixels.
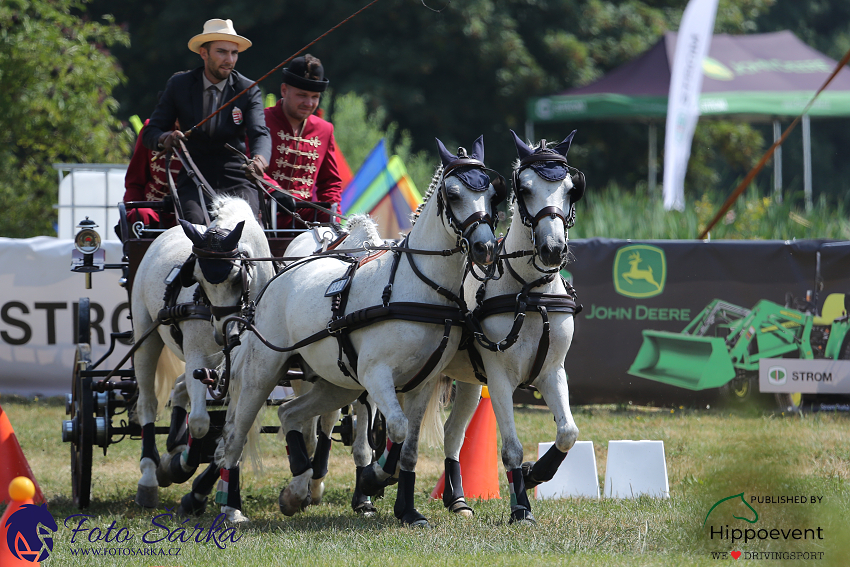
[
  {"x": 741, "y": 508},
  {"x": 777, "y": 375},
  {"x": 640, "y": 270},
  {"x": 29, "y": 533}
]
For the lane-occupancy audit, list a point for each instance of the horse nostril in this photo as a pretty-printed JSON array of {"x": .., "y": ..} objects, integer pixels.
[{"x": 483, "y": 252}]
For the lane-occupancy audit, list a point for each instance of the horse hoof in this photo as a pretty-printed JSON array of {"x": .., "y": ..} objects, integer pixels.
[
  {"x": 364, "y": 508},
  {"x": 147, "y": 496},
  {"x": 234, "y": 515},
  {"x": 289, "y": 505},
  {"x": 523, "y": 517},
  {"x": 191, "y": 506},
  {"x": 461, "y": 508},
  {"x": 163, "y": 471},
  {"x": 317, "y": 490},
  {"x": 414, "y": 519}
]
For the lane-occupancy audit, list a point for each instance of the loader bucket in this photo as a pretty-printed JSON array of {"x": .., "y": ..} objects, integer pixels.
[{"x": 686, "y": 361}]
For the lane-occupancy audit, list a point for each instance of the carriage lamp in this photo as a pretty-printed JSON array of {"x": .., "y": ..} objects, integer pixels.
[
  {"x": 87, "y": 243},
  {"x": 87, "y": 240}
]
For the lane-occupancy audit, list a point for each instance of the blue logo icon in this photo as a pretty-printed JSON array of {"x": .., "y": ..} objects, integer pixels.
[{"x": 29, "y": 533}]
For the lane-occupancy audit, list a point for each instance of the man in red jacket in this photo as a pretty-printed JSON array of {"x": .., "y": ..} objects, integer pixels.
[{"x": 302, "y": 160}]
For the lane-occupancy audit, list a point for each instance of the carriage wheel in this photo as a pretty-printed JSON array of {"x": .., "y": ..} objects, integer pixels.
[{"x": 82, "y": 412}]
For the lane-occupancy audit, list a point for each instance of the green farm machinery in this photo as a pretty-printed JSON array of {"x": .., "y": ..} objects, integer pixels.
[{"x": 721, "y": 347}]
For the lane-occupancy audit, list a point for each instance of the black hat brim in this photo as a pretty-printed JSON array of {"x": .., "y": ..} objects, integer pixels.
[{"x": 303, "y": 83}]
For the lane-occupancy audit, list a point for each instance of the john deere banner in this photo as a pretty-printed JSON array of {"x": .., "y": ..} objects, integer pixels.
[{"x": 627, "y": 287}]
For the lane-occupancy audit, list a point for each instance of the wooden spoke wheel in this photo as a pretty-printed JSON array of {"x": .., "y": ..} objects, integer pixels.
[{"x": 82, "y": 423}]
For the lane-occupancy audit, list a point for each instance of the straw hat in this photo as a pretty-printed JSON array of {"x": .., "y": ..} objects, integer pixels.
[{"x": 218, "y": 30}]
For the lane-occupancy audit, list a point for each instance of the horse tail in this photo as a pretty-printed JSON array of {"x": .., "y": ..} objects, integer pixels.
[
  {"x": 432, "y": 421},
  {"x": 168, "y": 368}
]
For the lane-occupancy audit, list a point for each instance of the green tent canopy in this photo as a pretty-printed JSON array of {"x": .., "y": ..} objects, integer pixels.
[{"x": 758, "y": 77}]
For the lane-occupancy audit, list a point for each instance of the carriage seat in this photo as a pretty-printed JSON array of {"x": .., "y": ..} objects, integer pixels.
[{"x": 834, "y": 307}]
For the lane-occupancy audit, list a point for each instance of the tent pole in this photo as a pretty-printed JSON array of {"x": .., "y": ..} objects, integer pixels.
[
  {"x": 807, "y": 161},
  {"x": 529, "y": 131},
  {"x": 777, "y": 163},
  {"x": 653, "y": 158}
]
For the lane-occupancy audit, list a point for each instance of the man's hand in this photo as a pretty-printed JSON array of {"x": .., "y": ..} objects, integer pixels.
[
  {"x": 257, "y": 167},
  {"x": 169, "y": 139}
]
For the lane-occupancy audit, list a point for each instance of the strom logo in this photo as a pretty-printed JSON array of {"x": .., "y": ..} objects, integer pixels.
[
  {"x": 777, "y": 375},
  {"x": 29, "y": 533},
  {"x": 640, "y": 270}
]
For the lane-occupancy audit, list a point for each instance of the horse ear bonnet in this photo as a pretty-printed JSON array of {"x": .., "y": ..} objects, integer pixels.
[
  {"x": 472, "y": 176},
  {"x": 216, "y": 270}
]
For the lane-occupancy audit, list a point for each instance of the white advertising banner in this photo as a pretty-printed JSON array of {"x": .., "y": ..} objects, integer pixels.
[
  {"x": 692, "y": 45},
  {"x": 794, "y": 375},
  {"x": 39, "y": 296}
]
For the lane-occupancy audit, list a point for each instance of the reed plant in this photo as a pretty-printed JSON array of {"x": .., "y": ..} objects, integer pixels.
[{"x": 615, "y": 212}]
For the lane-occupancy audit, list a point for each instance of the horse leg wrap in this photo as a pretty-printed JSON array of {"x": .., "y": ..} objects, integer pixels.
[
  {"x": 361, "y": 503},
  {"x": 404, "y": 509},
  {"x": 178, "y": 432},
  {"x": 542, "y": 470},
  {"x": 389, "y": 460},
  {"x": 149, "y": 443},
  {"x": 195, "y": 502},
  {"x": 296, "y": 448},
  {"x": 320, "y": 458},
  {"x": 453, "y": 492},
  {"x": 520, "y": 506},
  {"x": 183, "y": 467},
  {"x": 227, "y": 493}
]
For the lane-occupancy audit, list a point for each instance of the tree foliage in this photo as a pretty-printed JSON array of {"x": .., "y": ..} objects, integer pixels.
[{"x": 55, "y": 105}]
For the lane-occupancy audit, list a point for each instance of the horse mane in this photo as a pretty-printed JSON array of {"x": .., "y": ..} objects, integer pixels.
[
  {"x": 228, "y": 210},
  {"x": 435, "y": 183},
  {"x": 362, "y": 229}
]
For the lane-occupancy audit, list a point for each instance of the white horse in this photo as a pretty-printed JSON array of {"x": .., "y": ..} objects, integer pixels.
[
  {"x": 215, "y": 277},
  {"x": 409, "y": 305},
  {"x": 542, "y": 212}
]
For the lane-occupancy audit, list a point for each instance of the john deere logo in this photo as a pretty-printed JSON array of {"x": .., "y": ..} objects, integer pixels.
[
  {"x": 776, "y": 375},
  {"x": 714, "y": 69},
  {"x": 640, "y": 271}
]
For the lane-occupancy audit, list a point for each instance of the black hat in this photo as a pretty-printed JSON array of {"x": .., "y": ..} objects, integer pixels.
[{"x": 306, "y": 73}]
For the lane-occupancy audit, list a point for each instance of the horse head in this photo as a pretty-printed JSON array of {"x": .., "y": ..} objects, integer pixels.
[
  {"x": 217, "y": 266},
  {"x": 467, "y": 200},
  {"x": 546, "y": 189}
]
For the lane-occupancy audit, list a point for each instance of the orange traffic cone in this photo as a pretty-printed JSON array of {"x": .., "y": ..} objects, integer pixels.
[
  {"x": 478, "y": 458},
  {"x": 21, "y": 491},
  {"x": 12, "y": 461}
]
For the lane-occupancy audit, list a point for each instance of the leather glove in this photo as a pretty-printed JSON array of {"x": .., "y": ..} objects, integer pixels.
[
  {"x": 285, "y": 200},
  {"x": 256, "y": 167}
]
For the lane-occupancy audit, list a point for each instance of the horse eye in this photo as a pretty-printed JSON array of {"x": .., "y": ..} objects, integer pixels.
[{"x": 453, "y": 193}]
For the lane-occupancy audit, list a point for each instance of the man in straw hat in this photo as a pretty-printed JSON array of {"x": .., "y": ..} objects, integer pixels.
[
  {"x": 303, "y": 160},
  {"x": 192, "y": 96}
]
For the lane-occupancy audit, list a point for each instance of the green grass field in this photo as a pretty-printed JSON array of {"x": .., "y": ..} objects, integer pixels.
[{"x": 711, "y": 454}]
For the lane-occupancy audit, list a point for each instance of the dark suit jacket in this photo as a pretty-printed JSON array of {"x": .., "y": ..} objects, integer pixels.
[{"x": 183, "y": 100}]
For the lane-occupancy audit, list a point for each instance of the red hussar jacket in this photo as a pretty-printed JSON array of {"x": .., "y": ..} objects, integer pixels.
[{"x": 304, "y": 165}]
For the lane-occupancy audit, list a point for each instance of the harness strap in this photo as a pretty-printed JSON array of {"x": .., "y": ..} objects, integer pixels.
[
  {"x": 447, "y": 293},
  {"x": 542, "y": 350},
  {"x": 435, "y": 357},
  {"x": 338, "y": 303}
]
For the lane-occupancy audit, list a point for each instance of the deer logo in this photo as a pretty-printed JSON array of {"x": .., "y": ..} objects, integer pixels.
[
  {"x": 640, "y": 270},
  {"x": 636, "y": 273}
]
